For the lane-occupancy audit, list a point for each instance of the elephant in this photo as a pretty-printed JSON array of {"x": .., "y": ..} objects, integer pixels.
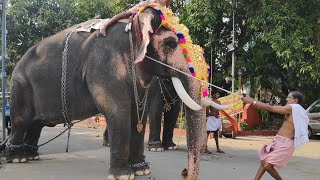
[
  {"x": 75, "y": 75},
  {"x": 166, "y": 102}
]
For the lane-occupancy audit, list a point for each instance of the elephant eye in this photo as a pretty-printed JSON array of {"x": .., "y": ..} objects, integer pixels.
[{"x": 171, "y": 43}]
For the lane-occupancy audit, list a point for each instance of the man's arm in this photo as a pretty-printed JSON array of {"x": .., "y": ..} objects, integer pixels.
[{"x": 276, "y": 109}]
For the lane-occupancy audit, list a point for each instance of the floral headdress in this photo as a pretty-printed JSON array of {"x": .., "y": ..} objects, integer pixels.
[{"x": 193, "y": 53}]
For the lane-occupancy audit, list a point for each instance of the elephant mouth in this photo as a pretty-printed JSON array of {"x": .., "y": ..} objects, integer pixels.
[{"x": 184, "y": 96}]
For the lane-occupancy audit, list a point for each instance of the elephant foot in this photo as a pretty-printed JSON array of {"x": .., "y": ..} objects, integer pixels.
[
  {"x": 106, "y": 143},
  {"x": 120, "y": 173},
  {"x": 155, "y": 146},
  {"x": 15, "y": 153},
  {"x": 141, "y": 169},
  {"x": 184, "y": 174},
  {"x": 31, "y": 152},
  {"x": 170, "y": 146}
]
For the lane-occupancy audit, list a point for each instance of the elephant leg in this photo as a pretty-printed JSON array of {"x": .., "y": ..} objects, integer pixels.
[
  {"x": 170, "y": 120},
  {"x": 22, "y": 113},
  {"x": 119, "y": 129},
  {"x": 106, "y": 138},
  {"x": 155, "y": 116},
  {"x": 137, "y": 159},
  {"x": 31, "y": 140}
]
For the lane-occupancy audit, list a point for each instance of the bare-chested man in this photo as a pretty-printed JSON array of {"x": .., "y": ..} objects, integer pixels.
[
  {"x": 213, "y": 123},
  {"x": 292, "y": 134}
]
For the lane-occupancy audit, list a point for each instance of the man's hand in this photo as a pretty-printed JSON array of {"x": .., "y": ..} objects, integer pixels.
[{"x": 247, "y": 100}]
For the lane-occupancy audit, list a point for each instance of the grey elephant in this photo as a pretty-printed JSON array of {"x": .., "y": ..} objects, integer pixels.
[
  {"x": 75, "y": 75},
  {"x": 167, "y": 104}
]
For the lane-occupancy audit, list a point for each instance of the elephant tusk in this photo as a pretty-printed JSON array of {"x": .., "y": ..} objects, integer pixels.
[
  {"x": 184, "y": 96},
  {"x": 208, "y": 102}
]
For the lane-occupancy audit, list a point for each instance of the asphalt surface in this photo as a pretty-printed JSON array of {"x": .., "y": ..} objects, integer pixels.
[{"x": 88, "y": 159}]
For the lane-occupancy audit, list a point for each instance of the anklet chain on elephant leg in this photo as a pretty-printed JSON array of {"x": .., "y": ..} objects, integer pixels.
[{"x": 135, "y": 90}]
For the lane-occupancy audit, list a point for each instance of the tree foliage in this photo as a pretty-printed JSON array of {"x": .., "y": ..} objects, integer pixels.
[
  {"x": 30, "y": 21},
  {"x": 291, "y": 29},
  {"x": 283, "y": 36}
]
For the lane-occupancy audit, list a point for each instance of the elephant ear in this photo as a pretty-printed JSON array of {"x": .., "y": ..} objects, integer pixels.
[{"x": 145, "y": 19}]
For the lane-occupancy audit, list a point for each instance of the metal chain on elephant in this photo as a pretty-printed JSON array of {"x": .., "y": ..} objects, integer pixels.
[
  {"x": 141, "y": 164},
  {"x": 64, "y": 80},
  {"x": 8, "y": 147},
  {"x": 72, "y": 123},
  {"x": 140, "y": 105},
  {"x": 167, "y": 105},
  {"x": 3, "y": 161},
  {"x": 64, "y": 86}
]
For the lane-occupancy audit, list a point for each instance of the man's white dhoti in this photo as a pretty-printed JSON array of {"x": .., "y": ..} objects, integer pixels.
[{"x": 213, "y": 124}]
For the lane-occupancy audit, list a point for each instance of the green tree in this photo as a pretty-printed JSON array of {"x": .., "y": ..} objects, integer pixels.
[
  {"x": 30, "y": 21},
  {"x": 284, "y": 36},
  {"x": 211, "y": 24},
  {"x": 291, "y": 28}
]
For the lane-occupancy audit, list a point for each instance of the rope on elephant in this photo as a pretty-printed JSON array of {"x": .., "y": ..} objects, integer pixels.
[
  {"x": 68, "y": 127},
  {"x": 193, "y": 77}
]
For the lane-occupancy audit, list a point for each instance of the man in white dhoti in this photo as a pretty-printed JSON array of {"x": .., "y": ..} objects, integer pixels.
[{"x": 213, "y": 123}]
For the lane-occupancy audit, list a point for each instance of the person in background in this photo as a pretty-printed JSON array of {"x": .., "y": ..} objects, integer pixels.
[
  {"x": 214, "y": 124},
  {"x": 7, "y": 114},
  {"x": 292, "y": 134}
]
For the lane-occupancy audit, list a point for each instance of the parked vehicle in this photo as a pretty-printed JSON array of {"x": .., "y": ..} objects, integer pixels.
[{"x": 313, "y": 112}]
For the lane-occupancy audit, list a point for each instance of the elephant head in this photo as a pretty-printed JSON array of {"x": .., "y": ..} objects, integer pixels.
[{"x": 167, "y": 41}]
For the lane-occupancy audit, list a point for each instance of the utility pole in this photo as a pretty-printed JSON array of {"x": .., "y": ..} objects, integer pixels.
[
  {"x": 211, "y": 71},
  {"x": 233, "y": 45},
  {"x": 4, "y": 44}
]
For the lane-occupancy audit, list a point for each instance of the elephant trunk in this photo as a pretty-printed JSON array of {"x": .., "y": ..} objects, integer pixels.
[
  {"x": 195, "y": 140},
  {"x": 196, "y": 131}
]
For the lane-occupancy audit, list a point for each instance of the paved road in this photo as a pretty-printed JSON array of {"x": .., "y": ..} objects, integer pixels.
[{"x": 87, "y": 159}]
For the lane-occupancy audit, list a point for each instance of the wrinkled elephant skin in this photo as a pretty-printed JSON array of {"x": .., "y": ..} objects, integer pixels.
[{"x": 99, "y": 79}]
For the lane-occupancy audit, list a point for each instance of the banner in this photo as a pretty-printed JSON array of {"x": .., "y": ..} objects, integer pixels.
[{"x": 235, "y": 103}]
